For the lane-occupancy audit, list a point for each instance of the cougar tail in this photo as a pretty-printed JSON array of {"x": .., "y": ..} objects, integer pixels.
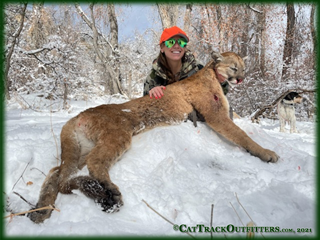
[{"x": 48, "y": 195}]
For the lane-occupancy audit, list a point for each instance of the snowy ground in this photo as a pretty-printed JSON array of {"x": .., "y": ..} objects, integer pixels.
[{"x": 179, "y": 170}]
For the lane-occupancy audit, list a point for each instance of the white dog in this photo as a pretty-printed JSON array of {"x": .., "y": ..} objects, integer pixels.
[{"x": 286, "y": 111}]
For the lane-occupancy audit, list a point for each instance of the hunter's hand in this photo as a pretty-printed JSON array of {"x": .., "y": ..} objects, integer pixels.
[{"x": 157, "y": 92}]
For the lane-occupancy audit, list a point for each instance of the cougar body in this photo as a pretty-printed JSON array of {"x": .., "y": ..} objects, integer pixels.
[{"x": 99, "y": 136}]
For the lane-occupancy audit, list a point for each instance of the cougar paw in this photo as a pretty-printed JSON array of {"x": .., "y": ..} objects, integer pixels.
[
  {"x": 39, "y": 216},
  {"x": 111, "y": 202},
  {"x": 106, "y": 194},
  {"x": 269, "y": 156}
]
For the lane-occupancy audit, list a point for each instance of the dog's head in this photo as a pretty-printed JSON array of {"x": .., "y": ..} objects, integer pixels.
[
  {"x": 293, "y": 97},
  {"x": 229, "y": 67}
]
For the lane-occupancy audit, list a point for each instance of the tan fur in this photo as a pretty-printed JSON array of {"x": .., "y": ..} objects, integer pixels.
[
  {"x": 99, "y": 136},
  {"x": 236, "y": 116}
]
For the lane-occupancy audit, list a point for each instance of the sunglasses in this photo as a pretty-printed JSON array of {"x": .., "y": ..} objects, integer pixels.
[{"x": 171, "y": 42}]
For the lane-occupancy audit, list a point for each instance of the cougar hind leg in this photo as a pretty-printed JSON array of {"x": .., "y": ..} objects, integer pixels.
[
  {"x": 71, "y": 151},
  {"x": 98, "y": 186},
  {"x": 107, "y": 151},
  {"x": 57, "y": 179},
  {"x": 48, "y": 195}
]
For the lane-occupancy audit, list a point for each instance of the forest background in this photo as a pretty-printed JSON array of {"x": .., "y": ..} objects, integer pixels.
[{"x": 75, "y": 52}]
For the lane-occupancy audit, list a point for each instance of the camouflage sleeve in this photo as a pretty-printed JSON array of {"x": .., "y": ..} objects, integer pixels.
[{"x": 149, "y": 83}]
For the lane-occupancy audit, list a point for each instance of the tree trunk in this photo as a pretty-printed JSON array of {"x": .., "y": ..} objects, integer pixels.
[
  {"x": 168, "y": 14},
  {"x": 262, "y": 23},
  {"x": 109, "y": 64},
  {"x": 187, "y": 19},
  {"x": 114, "y": 45},
  {"x": 245, "y": 34},
  {"x": 288, "y": 45},
  {"x": 10, "y": 52},
  {"x": 65, "y": 94},
  {"x": 36, "y": 29},
  {"x": 220, "y": 29},
  {"x": 262, "y": 26},
  {"x": 314, "y": 35}
]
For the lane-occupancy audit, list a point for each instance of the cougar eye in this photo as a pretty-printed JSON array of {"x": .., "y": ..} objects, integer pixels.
[{"x": 234, "y": 69}]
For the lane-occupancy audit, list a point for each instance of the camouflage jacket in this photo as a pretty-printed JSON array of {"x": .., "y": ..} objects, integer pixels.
[
  {"x": 189, "y": 67},
  {"x": 157, "y": 77}
]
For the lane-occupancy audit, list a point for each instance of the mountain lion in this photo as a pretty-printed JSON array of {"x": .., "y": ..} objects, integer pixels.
[{"x": 99, "y": 136}]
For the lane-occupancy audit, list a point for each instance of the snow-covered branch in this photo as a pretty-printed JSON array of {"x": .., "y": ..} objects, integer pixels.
[
  {"x": 259, "y": 112},
  {"x": 92, "y": 26},
  {"x": 254, "y": 9},
  {"x": 36, "y": 51}
]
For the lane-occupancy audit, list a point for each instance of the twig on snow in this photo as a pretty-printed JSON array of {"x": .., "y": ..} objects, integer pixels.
[
  {"x": 33, "y": 210},
  {"x": 243, "y": 207},
  {"x": 236, "y": 213},
  {"x": 20, "y": 176},
  {"x": 32, "y": 205},
  {"x": 246, "y": 212},
  {"x": 38, "y": 170},
  {"x": 163, "y": 216},
  {"x": 211, "y": 222}
]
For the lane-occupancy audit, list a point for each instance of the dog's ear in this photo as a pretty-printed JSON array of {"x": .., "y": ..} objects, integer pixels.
[{"x": 216, "y": 56}]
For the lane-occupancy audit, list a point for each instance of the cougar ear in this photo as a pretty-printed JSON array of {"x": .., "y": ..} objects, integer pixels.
[
  {"x": 245, "y": 58},
  {"x": 216, "y": 56}
]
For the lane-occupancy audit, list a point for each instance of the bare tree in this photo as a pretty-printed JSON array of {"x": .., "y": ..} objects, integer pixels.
[
  {"x": 114, "y": 45},
  {"x": 263, "y": 44},
  {"x": 36, "y": 29},
  {"x": 168, "y": 14},
  {"x": 288, "y": 45},
  {"x": 15, "y": 38},
  {"x": 313, "y": 33},
  {"x": 219, "y": 25},
  {"x": 187, "y": 18},
  {"x": 245, "y": 35},
  {"x": 108, "y": 58},
  {"x": 76, "y": 57}
]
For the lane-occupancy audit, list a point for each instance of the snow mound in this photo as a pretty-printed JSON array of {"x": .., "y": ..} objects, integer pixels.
[{"x": 178, "y": 170}]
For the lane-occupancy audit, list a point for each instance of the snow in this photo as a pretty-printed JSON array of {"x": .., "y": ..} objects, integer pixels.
[{"x": 178, "y": 170}]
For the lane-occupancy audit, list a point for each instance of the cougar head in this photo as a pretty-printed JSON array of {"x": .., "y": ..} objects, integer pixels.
[{"x": 229, "y": 67}]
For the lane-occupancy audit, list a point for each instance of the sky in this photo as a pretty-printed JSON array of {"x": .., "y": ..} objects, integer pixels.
[
  {"x": 137, "y": 17},
  {"x": 131, "y": 18}
]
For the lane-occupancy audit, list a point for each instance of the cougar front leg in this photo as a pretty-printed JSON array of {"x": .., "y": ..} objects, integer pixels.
[
  {"x": 108, "y": 150},
  {"x": 48, "y": 195},
  {"x": 233, "y": 133}
]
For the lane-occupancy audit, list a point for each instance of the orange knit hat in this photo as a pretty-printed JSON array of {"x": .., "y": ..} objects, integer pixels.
[{"x": 173, "y": 31}]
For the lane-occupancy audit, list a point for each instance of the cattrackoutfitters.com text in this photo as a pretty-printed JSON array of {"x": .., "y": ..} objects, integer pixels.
[{"x": 228, "y": 229}]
